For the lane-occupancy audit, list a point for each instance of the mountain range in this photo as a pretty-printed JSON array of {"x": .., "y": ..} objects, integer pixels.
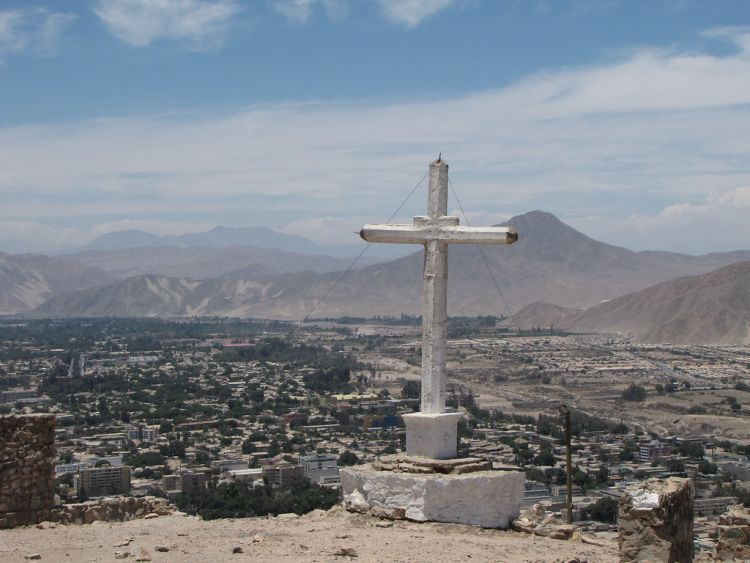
[
  {"x": 551, "y": 262},
  {"x": 226, "y": 237},
  {"x": 28, "y": 280},
  {"x": 203, "y": 262},
  {"x": 218, "y": 237}
]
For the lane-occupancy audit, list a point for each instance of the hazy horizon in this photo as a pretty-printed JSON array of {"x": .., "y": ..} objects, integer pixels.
[{"x": 312, "y": 117}]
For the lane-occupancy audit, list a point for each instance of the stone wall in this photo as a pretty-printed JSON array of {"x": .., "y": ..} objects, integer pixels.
[
  {"x": 116, "y": 509},
  {"x": 27, "y": 461},
  {"x": 655, "y": 518},
  {"x": 734, "y": 535}
]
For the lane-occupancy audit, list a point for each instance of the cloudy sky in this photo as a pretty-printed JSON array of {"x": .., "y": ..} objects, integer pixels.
[{"x": 629, "y": 120}]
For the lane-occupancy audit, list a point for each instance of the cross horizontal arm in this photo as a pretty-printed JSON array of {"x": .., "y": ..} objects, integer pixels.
[{"x": 418, "y": 234}]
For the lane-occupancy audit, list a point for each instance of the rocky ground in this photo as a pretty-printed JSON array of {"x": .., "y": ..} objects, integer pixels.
[{"x": 335, "y": 535}]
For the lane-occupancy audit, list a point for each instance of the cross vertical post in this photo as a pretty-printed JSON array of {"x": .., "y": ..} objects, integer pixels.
[
  {"x": 432, "y": 432},
  {"x": 435, "y": 298}
]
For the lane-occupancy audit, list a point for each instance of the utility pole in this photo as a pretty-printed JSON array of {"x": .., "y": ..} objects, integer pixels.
[{"x": 565, "y": 416}]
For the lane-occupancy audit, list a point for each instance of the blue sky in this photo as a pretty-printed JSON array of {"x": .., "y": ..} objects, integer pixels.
[{"x": 628, "y": 120}]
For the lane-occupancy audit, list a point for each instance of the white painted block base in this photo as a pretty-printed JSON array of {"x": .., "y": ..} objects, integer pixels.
[
  {"x": 432, "y": 435},
  {"x": 490, "y": 499}
]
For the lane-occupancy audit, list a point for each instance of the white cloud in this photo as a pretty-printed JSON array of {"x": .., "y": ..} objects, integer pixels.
[
  {"x": 37, "y": 30},
  {"x": 410, "y": 13},
  {"x": 32, "y": 236},
  {"x": 653, "y": 131},
  {"x": 736, "y": 198},
  {"x": 727, "y": 201},
  {"x": 199, "y": 25},
  {"x": 12, "y": 37},
  {"x": 717, "y": 222},
  {"x": 735, "y": 34},
  {"x": 299, "y": 11}
]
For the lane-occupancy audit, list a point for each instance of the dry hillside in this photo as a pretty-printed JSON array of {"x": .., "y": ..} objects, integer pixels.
[
  {"x": 318, "y": 536},
  {"x": 712, "y": 308}
]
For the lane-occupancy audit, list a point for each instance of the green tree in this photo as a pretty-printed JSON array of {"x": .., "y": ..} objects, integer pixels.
[
  {"x": 603, "y": 510},
  {"x": 675, "y": 465},
  {"x": 144, "y": 459},
  {"x": 602, "y": 475},
  {"x": 545, "y": 457},
  {"x": 581, "y": 478},
  {"x": 348, "y": 458},
  {"x": 535, "y": 474},
  {"x": 273, "y": 448},
  {"x": 240, "y": 500},
  {"x": 691, "y": 449},
  {"x": 634, "y": 392},
  {"x": 103, "y": 406},
  {"x": 248, "y": 446},
  {"x": 629, "y": 448},
  {"x": 706, "y": 467},
  {"x": 411, "y": 389}
]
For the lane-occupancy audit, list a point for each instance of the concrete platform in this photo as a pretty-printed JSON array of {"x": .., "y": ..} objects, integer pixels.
[{"x": 490, "y": 499}]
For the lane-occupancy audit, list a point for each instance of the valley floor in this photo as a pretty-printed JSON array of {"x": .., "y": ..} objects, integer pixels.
[{"x": 318, "y": 536}]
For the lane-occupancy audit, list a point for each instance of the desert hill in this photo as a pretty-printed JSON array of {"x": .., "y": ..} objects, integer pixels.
[
  {"x": 203, "y": 262},
  {"x": 159, "y": 296},
  {"x": 712, "y": 308},
  {"x": 540, "y": 315},
  {"x": 551, "y": 262},
  {"x": 28, "y": 280}
]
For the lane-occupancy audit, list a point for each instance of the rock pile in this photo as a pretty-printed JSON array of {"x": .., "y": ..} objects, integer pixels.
[
  {"x": 655, "y": 518},
  {"x": 117, "y": 509},
  {"x": 27, "y": 481},
  {"x": 536, "y": 520},
  {"x": 734, "y": 535}
]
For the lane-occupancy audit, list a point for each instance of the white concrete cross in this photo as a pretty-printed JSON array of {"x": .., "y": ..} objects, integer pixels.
[{"x": 435, "y": 231}]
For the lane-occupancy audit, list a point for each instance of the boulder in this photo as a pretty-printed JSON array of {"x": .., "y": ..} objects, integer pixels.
[
  {"x": 489, "y": 499},
  {"x": 655, "y": 518}
]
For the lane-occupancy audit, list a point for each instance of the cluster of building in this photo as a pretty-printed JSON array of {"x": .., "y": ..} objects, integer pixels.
[
  {"x": 594, "y": 356},
  {"x": 258, "y": 421}
]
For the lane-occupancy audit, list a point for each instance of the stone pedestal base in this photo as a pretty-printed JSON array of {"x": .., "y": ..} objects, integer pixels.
[
  {"x": 490, "y": 499},
  {"x": 432, "y": 435}
]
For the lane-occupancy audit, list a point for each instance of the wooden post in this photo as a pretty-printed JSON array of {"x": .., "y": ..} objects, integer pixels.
[{"x": 565, "y": 416}]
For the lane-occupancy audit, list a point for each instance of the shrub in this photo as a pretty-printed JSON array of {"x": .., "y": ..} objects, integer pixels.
[{"x": 634, "y": 392}]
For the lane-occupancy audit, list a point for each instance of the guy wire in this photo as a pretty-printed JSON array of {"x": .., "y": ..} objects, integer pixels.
[
  {"x": 354, "y": 262},
  {"x": 486, "y": 262}
]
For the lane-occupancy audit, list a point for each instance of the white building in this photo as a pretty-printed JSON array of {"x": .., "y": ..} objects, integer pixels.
[
  {"x": 144, "y": 434},
  {"x": 249, "y": 475},
  {"x": 322, "y": 469}
]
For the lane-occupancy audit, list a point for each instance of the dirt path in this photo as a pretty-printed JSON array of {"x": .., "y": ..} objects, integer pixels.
[{"x": 318, "y": 536}]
